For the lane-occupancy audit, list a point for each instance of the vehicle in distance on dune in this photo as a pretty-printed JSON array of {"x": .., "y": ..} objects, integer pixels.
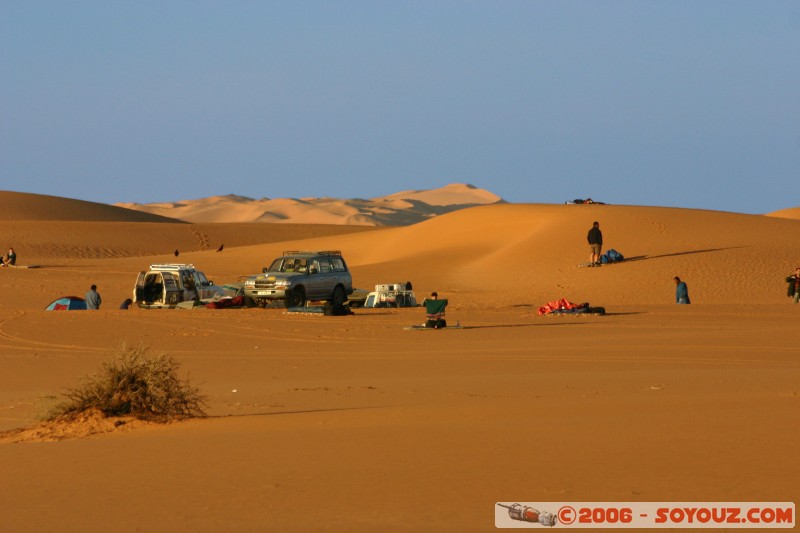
[
  {"x": 298, "y": 276},
  {"x": 167, "y": 285}
]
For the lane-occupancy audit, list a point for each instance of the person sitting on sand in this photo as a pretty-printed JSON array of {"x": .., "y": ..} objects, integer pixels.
[
  {"x": 435, "y": 309},
  {"x": 794, "y": 285},
  {"x": 10, "y": 259},
  {"x": 434, "y": 296}
]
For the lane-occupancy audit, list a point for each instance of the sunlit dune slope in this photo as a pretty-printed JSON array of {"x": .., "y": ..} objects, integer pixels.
[
  {"x": 26, "y": 206},
  {"x": 495, "y": 255},
  {"x": 792, "y": 212},
  {"x": 452, "y": 194},
  {"x": 39, "y": 242},
  {"x": 511, "y": 253}
]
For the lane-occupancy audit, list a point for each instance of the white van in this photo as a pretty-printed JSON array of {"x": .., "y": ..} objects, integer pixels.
[
  {"x": 167, "y": 285},
  {"x": 391, "y": 295}
]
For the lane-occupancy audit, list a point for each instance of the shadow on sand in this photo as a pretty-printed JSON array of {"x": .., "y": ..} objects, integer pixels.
[
  {"x": 644, "y": 257},
  {"x": 519, "y": 325},
  {"x": 300, "y": 411}
]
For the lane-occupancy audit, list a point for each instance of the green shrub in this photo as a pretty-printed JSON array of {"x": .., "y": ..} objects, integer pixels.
[{"x": 137, "y": 384}]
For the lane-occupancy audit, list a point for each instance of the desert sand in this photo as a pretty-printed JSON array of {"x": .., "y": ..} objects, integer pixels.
[
  {"x": 398, "y": 209},
  {"x": 354, "y": 424},
  {"x": 792, "y": 212}
]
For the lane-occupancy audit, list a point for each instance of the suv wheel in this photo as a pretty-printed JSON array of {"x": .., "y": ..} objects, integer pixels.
[
  {"x": 296, "y": 297},
  {"x": 338, "y": 297}
]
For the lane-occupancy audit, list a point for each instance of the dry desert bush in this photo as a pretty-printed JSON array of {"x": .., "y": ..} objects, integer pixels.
[{"x": 135, "y": 383}]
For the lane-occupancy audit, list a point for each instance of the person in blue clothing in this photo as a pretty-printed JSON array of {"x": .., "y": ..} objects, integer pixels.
[{"x": 681, "y": 291}]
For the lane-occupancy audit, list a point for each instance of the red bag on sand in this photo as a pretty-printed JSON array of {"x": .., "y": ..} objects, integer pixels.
[
  {"x": 557, "y": 305},
  {"x": 236, "y": 301}
]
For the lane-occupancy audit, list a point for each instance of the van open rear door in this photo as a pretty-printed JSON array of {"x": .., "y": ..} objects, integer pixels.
[{"x": 138, "y": 291}]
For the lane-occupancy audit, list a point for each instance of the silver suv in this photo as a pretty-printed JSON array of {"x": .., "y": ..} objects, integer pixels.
[
  {"x": 167, "y": 285},
  {"x": 298, "y": 276}
]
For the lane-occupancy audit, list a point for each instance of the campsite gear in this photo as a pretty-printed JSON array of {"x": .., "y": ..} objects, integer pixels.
[
  {"x": 67, "y": 303},
  {"x": 564, "y": 307},
  {"x": 529, "y": 514},
  {"x": 224, "y": 303},
  {"x": 230, "y": 295},
  {"x": 423, "y": 327},
  {"x": 391, "y": 295},
  {"x": 190, "y": 304},
  {"x": 560, "y": 305},
  {"x": 327, "y": 309},
  {"x": 611, "y": 256},
  {"x": 435, "y": 313}
]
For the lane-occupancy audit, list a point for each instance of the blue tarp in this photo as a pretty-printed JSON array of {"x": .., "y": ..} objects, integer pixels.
[{"x": 67, "y": 303}]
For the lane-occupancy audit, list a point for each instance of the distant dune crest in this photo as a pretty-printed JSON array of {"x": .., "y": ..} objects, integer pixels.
[
  {"x": 792, "y": 212},
  {"x": 398, "y": 209}
]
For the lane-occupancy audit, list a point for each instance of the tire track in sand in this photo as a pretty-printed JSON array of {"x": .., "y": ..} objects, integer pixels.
[{"x": 19, "y": 343}]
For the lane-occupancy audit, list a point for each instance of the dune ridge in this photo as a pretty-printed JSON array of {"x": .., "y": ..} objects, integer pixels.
[
  {"x": 15, "y": 206},
  {"x": 407, "y": 207},
  {"x": 792, "y": 212},
  {"x": 492, "y": 254}
]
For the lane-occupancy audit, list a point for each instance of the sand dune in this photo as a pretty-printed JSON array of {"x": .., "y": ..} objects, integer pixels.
[
  {"x": 496, "y": 254},
  {"x": 352, "y": 423},
  {"x": 401, "y": 208},
  {"x": 453, "y": 194},
  {"x": 42, "y": 243},
  {"x": 16, "y": 206},
  {"x": 512, "y": 253},
  {"x": 792, "y": 212}
]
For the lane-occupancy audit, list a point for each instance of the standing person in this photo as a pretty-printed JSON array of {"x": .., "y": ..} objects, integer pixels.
[
  {"x": 189, "y": 288},
  {"x": 595, "y": 238},
  {"x": 794, "y": 285},
  {"x": 681, "y": 291},
  {"x": 92, "y": 298}
]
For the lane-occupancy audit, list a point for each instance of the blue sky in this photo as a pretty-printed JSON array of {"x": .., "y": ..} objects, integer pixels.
[{"x": 673, "y": 103}]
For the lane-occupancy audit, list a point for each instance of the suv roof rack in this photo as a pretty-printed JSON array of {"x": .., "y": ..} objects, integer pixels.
[
  {"x": 172, "y": 266},
  {"x": 308, "y": 252}
]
